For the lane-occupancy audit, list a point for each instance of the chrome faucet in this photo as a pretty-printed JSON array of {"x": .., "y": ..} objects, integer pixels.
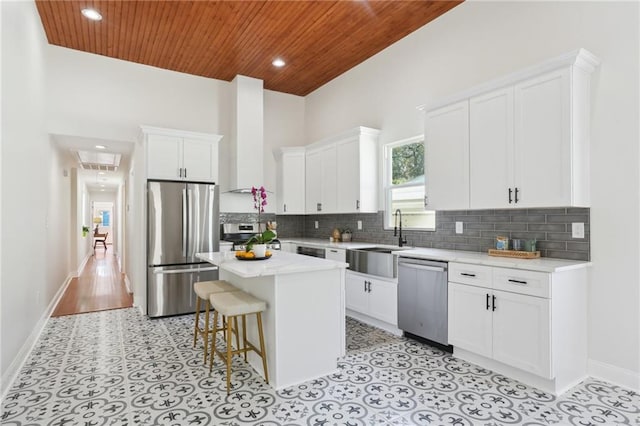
[{"x": 401, "y": 241}]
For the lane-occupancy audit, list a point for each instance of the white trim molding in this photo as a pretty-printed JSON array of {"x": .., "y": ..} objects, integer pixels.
[
  {"x": 614, "y": 374},
  {"x": 580, "y": 58},
  {"x": 21, "y": 357}
]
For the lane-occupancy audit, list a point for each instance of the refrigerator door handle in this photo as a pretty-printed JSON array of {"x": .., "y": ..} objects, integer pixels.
[
  {"x": 184, "y": 222},
  {"x": 184, "y": 271},
  {"x": 192, "y": 231}
]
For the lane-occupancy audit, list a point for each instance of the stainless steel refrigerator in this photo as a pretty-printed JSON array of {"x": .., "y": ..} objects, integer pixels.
[{"x": 182, "y": 220}]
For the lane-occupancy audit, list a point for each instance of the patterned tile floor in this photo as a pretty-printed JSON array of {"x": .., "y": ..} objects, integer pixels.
[{"x": 120, "y": 368}]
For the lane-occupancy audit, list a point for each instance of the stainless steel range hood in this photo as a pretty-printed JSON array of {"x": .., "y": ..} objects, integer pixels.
[{"x": 247, "y": 134}]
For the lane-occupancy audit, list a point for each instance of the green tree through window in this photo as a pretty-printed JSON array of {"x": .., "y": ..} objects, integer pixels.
[
  {"x": 404, "y": 184},
  {"x": 407, "y": 163}
]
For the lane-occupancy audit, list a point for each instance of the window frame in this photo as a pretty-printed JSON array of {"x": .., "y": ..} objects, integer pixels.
[{"x": 387, "y": 186}]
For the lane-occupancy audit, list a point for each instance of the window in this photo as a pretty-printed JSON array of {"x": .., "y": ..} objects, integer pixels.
[{"x": 404, "y": 185}]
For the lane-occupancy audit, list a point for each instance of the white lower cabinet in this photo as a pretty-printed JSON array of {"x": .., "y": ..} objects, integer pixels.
[
  {"x": 288, "y": 247},
  {"x": 522, "y": 331},
  {"x": 508, "y": 327},
  {"x": 525, "y": 324},
  {"x": 470, "y": 323},
  {"x": 339, "y": 255},
  {"x": 372, "y": 296}
]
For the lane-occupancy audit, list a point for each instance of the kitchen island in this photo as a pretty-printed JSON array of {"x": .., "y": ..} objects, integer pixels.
[{"x": 304, "y": 323}]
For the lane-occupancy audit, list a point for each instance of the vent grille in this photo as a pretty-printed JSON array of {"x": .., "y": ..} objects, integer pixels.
[{"x": 100, "y": 167}]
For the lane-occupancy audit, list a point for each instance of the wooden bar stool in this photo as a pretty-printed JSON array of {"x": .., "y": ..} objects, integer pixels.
[
  {"x": 233, "y": 305},
  {"x": 203, "y": 290}
]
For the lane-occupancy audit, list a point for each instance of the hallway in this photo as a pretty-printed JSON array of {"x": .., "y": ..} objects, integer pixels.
[{"x": 99, "y": 287}]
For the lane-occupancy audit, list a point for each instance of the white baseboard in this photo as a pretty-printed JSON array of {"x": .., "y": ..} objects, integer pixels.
[
  {"x": 374, "y": 322},
  {"x": 84, "y": 263},
  {"x": 23, "y": 354},
  {"x": 127, "y": 283},
  {"x": 613, "y": 374}
]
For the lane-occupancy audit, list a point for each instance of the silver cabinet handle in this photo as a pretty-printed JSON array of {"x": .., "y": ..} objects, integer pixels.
[
  {"x": 285, "y": 208},
  {"x": 357, "y": 204}
]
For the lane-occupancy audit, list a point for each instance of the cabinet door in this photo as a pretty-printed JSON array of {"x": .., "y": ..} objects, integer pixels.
[
  {"x": 383, "y": 300},
  {"x": 447, "y": 157},
  {"x": 329, "y": 179},
  {"x": 491, "y": 150},
  {"x": 164, "y": 157},
  {"x": 356, "y": 293},
  {"x": 522, "y": 331},
  {"x": 288, "y": 247},
  {"x": 200, "y": 160},
  {"x": 348, "y": 174},
  {"x": 291, "y": 184},
  {"x": 313, "y": 181},
  {"x": 339, "y": 255},
  {"x": 542, "y": 141},
  {"x": 469, "y": 318}
]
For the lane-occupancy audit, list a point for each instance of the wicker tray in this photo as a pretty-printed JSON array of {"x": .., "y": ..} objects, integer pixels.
[{"x": 515, "y": 254}]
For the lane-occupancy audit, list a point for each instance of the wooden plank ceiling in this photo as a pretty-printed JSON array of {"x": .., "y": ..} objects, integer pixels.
[{"x": 319, "y": 40}]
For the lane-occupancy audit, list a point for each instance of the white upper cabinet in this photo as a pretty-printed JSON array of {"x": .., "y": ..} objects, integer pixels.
[
  {"x": 321, "y": 179},
  {"x": 446, "y": 153},
  {"x": 313, "y": 181},
  {"x": 527, "y": 137},
  {"x": 544, "y": 144},
  {"x": 180, "y": 155},
  {"x": 342, "y": 173},
  {"x": 491, "y": 149},
  {"x": 357, "y": 163},
  {"x": 290, "y": 180},
  {"x": 164, "y": 157}
]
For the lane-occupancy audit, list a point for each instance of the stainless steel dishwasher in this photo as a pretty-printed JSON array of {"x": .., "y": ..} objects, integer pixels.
[{"x": 422, "y": 299}]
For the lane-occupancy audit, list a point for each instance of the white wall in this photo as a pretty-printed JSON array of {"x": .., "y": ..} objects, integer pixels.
[
  {"x": 28, "y": 198},
  {"x": 479, "y": 41},
  {"x": 93, "y": 95},
  {"x": 57, "y": 223}
]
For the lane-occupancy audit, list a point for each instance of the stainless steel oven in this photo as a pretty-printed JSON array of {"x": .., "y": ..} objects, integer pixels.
[{"x": 239, "y": 233}]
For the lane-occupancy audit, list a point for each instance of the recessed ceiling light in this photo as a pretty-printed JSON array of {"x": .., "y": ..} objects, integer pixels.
[
  {"x": 92, "y": 14},
  {"x": 101, "y": 147},
  {"x": 278, "y": 63},
  {"x": 102, "y": 186},
  {"x": 100, "y": 173}
]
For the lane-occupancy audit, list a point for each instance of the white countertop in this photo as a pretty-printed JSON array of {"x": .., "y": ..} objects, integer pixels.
[
  {"x": 324, "y": 243},
  {"x": 545, "y": 264},
  {"x": 279, "y": 263}
]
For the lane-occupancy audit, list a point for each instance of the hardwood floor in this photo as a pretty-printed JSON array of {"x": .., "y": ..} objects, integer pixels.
[{"x": 98, "y": 288}]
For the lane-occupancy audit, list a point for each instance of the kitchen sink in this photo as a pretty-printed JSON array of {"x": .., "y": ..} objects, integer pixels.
[
  {"x": 383, "y": 249},
  {"x": 375, "y": 260}
]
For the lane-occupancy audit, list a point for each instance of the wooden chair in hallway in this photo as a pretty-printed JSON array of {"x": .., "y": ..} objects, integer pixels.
[{"x": 100, "y": 238}]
